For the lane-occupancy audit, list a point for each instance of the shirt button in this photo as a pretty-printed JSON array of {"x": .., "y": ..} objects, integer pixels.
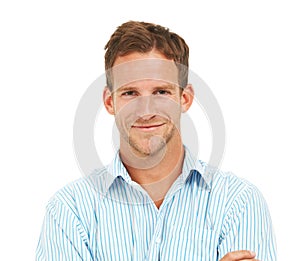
[{"x": 157, "y": 240}]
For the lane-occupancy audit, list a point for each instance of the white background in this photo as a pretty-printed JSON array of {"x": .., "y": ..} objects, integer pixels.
[{"x": 51, "y": 51}]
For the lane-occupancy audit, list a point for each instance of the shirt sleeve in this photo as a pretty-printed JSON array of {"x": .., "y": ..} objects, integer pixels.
[
  {"x": 62, "y": 236},
  {"x": 248, "y": 226}
]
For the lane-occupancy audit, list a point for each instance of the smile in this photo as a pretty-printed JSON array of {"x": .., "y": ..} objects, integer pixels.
[{"x": 148, "y": 127}]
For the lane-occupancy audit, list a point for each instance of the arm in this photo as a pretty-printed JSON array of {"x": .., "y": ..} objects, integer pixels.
[
  {"x": 62, "y": 236},
  {"x": 239, "y": 256},
  {"x": 248, "y": 226}
]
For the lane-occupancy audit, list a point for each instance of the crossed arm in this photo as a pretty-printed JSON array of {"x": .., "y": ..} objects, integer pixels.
[
  {"x": 248, "y": 228},
  {"x": 239, "y": 256}
]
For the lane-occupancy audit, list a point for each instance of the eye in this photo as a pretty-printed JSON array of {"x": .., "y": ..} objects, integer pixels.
[
  {"x": 129, "y": 93},
  {"x": 162, "y": 92}
]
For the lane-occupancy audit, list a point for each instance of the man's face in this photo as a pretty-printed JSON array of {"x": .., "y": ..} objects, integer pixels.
[{"x": 146, "y": 101}]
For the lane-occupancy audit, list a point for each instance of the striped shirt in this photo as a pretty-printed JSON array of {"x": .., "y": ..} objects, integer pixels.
[{"x": 107, "y": 216}]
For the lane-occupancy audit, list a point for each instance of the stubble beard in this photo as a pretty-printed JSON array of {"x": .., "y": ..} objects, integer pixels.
[{"x": 155, "y": 144}]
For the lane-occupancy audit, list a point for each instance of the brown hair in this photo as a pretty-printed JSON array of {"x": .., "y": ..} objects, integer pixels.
[{"x": 142, "y": 37}]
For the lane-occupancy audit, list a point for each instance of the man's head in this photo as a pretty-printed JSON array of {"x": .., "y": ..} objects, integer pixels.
[
  {"x": 143, "y": 37},
  {"x": 147, "y": 85}
]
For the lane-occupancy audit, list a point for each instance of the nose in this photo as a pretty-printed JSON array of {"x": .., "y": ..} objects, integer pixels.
[
  {"x": 147, "y": 117},
  {"x": 145, "y": 107}
]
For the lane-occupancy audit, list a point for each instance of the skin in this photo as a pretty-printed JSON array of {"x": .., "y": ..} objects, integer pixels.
[
  {"x": 153, "y": 137},
  {"x": 239, "y": 256}
]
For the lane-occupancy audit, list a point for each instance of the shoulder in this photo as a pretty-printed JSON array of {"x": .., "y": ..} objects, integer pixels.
[
  {"x": 242, "y": 201},
  {"x": 236, "y": 185},
  {"x": 77, "y": 197},
  {"x": 235, "y": 192}
]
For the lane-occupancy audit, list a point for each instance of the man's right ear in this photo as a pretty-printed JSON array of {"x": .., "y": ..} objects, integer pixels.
[{"x": 108, "y": 101}]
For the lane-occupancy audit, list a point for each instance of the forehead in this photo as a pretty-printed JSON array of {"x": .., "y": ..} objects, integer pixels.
[
  {"x": 147, "y": 85},
  {"x": 153, "y": 54},
  {"x": 140, "y": 67}
]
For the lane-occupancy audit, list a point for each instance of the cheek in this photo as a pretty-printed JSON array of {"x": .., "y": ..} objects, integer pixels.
[
  {"x": 119, "y": 107},
  {"x": 173, "y": 113}
]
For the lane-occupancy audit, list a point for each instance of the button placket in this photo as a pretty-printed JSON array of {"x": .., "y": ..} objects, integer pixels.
[
  {"x": 158, "y": 240},
  {"x": 158, "y": 229},
  {"x": 154, "y": 249}
]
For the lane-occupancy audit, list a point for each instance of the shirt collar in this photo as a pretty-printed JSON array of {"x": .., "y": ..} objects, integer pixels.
[
  {"x": 116, "y": 169},
  {"x": 191, "y": 163}
]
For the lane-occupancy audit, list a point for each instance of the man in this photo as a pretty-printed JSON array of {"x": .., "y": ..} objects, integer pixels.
[{"x": 155, "y": 201}]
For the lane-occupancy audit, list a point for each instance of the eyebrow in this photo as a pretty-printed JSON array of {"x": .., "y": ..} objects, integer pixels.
[
  {"x": 161, "y": 87},
  {"x": 125, "y": 89}
]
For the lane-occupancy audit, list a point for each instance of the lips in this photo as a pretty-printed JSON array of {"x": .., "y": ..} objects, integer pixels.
[{"x": 148, "y": 127}]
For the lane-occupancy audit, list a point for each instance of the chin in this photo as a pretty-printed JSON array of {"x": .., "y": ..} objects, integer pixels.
[{"x": 147, "y": 150}]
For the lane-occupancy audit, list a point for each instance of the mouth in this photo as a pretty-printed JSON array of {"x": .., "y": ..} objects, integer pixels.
[{"x": 149, "y": 127}]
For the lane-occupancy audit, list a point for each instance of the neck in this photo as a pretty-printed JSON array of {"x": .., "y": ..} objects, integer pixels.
[{"x": 156, "y": 173}]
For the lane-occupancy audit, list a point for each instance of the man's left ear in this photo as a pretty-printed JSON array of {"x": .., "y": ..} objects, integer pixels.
[{"x": 187, "y": 97}]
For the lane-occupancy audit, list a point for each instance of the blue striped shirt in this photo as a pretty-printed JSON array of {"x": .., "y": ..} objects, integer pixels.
[{"x": 107, "y": 216}]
